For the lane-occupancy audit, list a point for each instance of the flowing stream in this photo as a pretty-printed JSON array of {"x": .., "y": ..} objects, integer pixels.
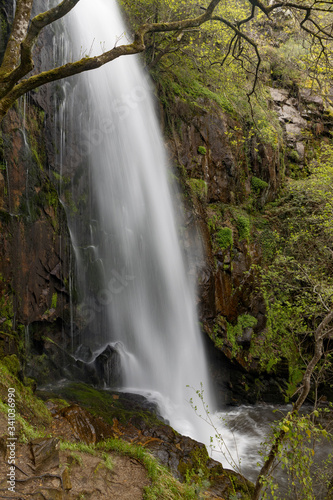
[{"x": 149, "y": 315}]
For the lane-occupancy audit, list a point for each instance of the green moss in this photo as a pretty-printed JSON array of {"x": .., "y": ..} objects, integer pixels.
[
  {"x": 37, "y": 158},
  {"x": 198, "y": 187},
  {"x": 234, "y": 332},
  {"x": 293, "y": 155},
  {"x": 29, "y": 408},
  {"x": 202, "y": 150},
  {"x": 102, "y": 403},
  {"x": 83, "y": 447},
  {"x": 212, "y": 223},
  {"x": 12, "y": 363},
  {"x": 187, "y": 87},
  {"x": 224, "y": 237},
  {"x": 243, "y": 226},
  {"x": 244, "y": 488},
  {"x": 196, "y": 464},
  {"x": 198, "y": 89},
  {"x": 54, "y": 300},
  {"x": 258, "y": 185},
  {"x": 163, "y": 484},
  {"x": 68, "y": 198},
  {"x": 41, "y": 366},
  {"x": 269, "y": 242}
]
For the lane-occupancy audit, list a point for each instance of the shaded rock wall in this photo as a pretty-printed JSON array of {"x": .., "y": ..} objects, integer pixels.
[
  {"x": 34, "y": 250},
  {"x": 227, "y": 170},
  {"x": 225, "y": 165},
  {"x": 34, "y": 242}
]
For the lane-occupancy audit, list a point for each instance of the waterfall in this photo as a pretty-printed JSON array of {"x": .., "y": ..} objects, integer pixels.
[{"x": 143, "y": 303}]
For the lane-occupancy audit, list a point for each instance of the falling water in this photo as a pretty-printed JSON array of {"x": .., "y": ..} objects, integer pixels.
[{"x": 140, "y": 268}]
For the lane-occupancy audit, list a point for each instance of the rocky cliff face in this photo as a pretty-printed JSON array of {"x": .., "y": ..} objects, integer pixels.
[
  {"x": 206, "y": 144},
  {"x": 35, "y": 247},
  {"x": 34, "y": 251},
  {"x": 229, "y": 176}
]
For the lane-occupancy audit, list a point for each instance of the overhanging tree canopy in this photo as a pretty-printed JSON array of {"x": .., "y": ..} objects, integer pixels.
[{"x": 314, "y": 17}]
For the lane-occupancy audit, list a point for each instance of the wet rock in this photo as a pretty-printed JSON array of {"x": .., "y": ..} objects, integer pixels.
[
  {"x": 81, "y": 422},
  {"x": 245, "y": 339},
  {"x": 84, "y": 353},
  {"x": 2, "y": 190},
  {"x": 224, "y": 167},
  {"x": 108, "y": 366},
  {"x": 66, "y": 479}
]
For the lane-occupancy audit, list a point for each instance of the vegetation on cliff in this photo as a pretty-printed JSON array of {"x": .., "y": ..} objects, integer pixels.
[
  {"x": 231, "y": 38},
  {"x": 267, "y": 203}
]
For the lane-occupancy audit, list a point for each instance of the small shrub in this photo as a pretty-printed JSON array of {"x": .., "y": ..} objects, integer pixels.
[
  {"x": 293, "y": 156},
  {"x": 268, "y": 242},
  {"x": 243, "y": 226},
  {"x": 258, "y": 185},
  {"x": 224, "y": 237}
]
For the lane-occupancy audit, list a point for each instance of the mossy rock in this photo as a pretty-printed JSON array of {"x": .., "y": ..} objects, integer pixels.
[
  {"x": 198, "y": 465},
  {"x": 12, "y": 363},
  {"x": 199, "y": 188},
  {"x": 244, "y": 488},
  {"x": 106, "y": 404},
  {"x": 28, "y": 406}
]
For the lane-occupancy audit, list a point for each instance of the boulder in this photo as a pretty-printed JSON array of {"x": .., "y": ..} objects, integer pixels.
[
  {"x": 84, "y": 353},
  {"x": 300, "y": 148},
  {"x": 45, "y": 453},
  {"x": 309, "y": 98},
  {"x": 290, "y": 114},
  {"x": 108, "y": 366},
  {"x": 294, "y": 132},
  {"x": 279, "y": 95}
]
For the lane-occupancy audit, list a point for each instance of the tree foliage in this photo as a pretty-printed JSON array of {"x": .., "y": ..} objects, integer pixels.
[
  {"x": 230, "y": 36},
  {"x": 238, "y": 35},
  {"x": 298, "y": 289}
]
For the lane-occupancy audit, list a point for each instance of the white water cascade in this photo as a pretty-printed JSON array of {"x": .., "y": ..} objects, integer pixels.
[
  {"x": 138, "y": 297},
  {"x": 146, "y": 292}
]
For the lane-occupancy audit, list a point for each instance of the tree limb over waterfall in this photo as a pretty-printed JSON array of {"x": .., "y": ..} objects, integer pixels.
[
  {"x": 18, "y": 61},
  {"x": 15, "y": 71}
]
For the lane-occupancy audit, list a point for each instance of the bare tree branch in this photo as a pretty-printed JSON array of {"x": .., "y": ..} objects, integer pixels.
[{"x": 240, "y": 35}]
